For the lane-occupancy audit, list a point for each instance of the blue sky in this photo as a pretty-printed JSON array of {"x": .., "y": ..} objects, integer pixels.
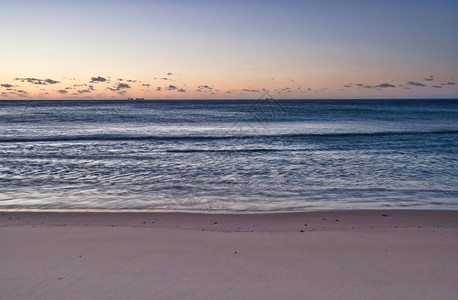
[{"x": 294, "y": 49}]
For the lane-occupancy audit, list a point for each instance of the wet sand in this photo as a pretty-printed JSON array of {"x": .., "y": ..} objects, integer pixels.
[{"x": 401, "y": 254}]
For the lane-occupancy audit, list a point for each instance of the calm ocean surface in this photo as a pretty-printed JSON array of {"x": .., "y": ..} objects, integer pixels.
[{"x": 229, "y": 155}]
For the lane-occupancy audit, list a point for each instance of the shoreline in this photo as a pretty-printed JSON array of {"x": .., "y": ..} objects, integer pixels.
[
  {"x": 276, "y": 221},
  {"x": 356, "y": 254}
]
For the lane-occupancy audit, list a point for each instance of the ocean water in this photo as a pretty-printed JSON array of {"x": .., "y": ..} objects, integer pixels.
[{"x": 263, "y": 155}]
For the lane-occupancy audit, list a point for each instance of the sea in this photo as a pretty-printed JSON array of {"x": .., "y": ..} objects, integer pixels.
[{"x": 219, "y": 155}]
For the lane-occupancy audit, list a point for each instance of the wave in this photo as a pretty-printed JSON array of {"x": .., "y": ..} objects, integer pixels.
[{"x": 115, "y": 137}]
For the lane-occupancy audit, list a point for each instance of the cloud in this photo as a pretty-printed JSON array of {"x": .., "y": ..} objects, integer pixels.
[
  {"x": 158, "y": 89},
  {"x": 348, "y": 85},
  {"x": 146, "y": 84},
  {"x": 68, "y": 88},
  {"x": 448, "y": 83},
  {"x": 62, "y": 91},
  {"x": 436, "y": 86},
  {"x": 385, "y": 85},
  {"x": 202, "y": 87},
  {"x": 206, "y": 88},
  {"x": 228, "y": 92},
  {"x": 37, "y": 81},
  {"x": 181, "y": 90},
  {"x": 286, "y": 89},
  {"x": 83, "y": 91},
  {"x": 98, "y": 79},
  {"x": 50, "y": 81},
  {"x": 429, "y": 78},
  {"x": 18, "y": 93},
  {"x": 378, "y": 86},
  {"x": 131, "y": 80},
  {"x": 250, "y": 91},
  {"x": 169, "y": 74},
  {"x": 415, "y": 83},
  {"x": 119, "y": 87},
  {"x": 164, "y": 78},
  {"x": 6, "y": 85},
  {"x": 171, "y": 88}
]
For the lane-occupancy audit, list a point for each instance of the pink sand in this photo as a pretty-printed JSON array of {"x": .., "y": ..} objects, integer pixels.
[{"x": 339, "y": 255}]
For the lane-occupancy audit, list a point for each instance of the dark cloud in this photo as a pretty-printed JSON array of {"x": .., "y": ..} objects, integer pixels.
[
  {"x": 119, "y": 87},
  {"x": 429, "y": 78},
  {"x": 68, "y": 88},
  {"x": 131, "y": 80},
  {"x": 98, "y": 79},
  {"x": 286, "y": 89},
  {"x": 146, "y": 84},
  {"x": 415, "y": 83},
  {"x": 385, "y": 85},
  {"x": 203, "y": 87},
  {"x": 369, "y": 86},
  {"x": 91, "y": 87},
  {"x": 181, "y": 90},
  {"x": 436, "y": 86},
  {"x": 171, "y": 88},
  {"x": 50, "y": 81},
  {"x": 6, "y": 85},
  {"x": 78, "y": 85},
  {"x": 22, "y": 92},
  {"x": 62, "y": 91},
  {"x": 83, "y": 91},
  {"x": 164, "y": 78},
  {"x": 169, "y": 74},
  {"x": 448, "y": 83},
  {"x": 37, "y": 81},
  {"x": 348, "y": 85},
  {"x": 250, "y": 91},
  {"x": 158, "y": 89},
  {"x": 228, "y": 92}
]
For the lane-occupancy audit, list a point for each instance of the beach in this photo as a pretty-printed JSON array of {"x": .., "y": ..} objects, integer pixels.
[{"x": 353, "y": 254}]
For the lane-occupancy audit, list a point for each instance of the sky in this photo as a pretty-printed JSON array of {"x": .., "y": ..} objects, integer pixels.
[{"x": 234, "y": 49}]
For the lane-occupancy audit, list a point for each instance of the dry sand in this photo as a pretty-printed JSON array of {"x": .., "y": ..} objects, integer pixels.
[{"x": 312, "y": 255}]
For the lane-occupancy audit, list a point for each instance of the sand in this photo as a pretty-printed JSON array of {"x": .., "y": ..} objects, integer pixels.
[{"x": 313, "y": 255}]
